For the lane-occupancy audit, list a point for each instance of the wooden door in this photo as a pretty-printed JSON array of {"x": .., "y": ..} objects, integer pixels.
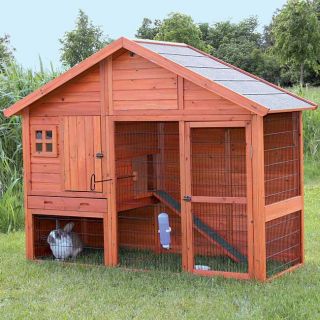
[
  {"x": 82, "y": 142},
  {"x": 218, "y": 196}
]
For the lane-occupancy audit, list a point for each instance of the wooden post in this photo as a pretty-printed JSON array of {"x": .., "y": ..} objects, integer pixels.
[
  {"x": 184, "y": 230},
  {"x": 301, "y": 177},
  {"x": 258, "y": 193},
  {"x": 30, "y": 254}
]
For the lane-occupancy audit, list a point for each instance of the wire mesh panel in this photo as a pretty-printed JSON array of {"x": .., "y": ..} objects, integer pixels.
[
  {"x": 281, "y": 156},
  {"x": 71, "y": 239},
  {"x": 218, "y": 181},
  {"x": 148, "y": 195},
  {"x": 283, "y": 243}
]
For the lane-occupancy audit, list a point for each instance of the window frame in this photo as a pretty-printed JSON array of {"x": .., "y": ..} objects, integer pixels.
[{"x": 44, "y": 141}]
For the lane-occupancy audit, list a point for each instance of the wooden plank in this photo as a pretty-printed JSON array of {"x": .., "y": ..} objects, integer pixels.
[
  {"x": 184, "y": 221},
  {"x": 103, "y": 81},
  {"x": 220, "y": 124},
  {"x": 67, "y": 204},
  {"x": 188, "y": 205},
  {"x": 45, "y": 120},
  {"x": 90, "y": 151},
  {"x": 45, "y": 168},
  {"x": 64, "y": 213},
  {"x": 62, "y": 193},
  {"x": 250, "y": 230},
  {"x": 258, "y": 198},
  {"x": 282, "y": 208},
  {"x": 97, "y": 148},
  {"x": 27, "y": 183},
  {"x": 180, "y": 91},
  {"x": 54, "y": 178},
  {"x": 66, "y": 151},
  {"x": 224, "y": 274},
  {"x": 145, "y": 84},
  {"x": 81, "y": 154},
  {"x": 144, "y": 104},
  {"x": 234, "y": 200},
  {"x": 162, "y": 115},
  {"x": 73, "y": 153},
  {"x": 110, "y": 84},
  {"x": 152, "y": 73},
  {"x": 301, "y": 176},
  {"x": 142, "y": 95}
]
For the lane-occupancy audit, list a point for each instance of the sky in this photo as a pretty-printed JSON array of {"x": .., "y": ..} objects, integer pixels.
[{"x": 35, "y": 26}]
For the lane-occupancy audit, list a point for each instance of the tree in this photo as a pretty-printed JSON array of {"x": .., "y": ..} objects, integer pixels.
[
  {"x": 81, "y": 42},
  {"x": 296, "y": 34},
  {"x": 148, "y": 29},
  {"x": 178, "y": 27},
  {"x": 6, "y": 51}
]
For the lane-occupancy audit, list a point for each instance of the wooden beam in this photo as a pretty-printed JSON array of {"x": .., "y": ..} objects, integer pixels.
[
  {"x": 234, "y": 200},
  {"x": 224, "y": 274},
  {"x": 64, "y": 213},
  {"x": 301, "y": 176},
  {"x": 282, "y": 208},
  {"x": 27, "y": 183},
  {"x": 220, "y": 124},
  {"x": 109, "y": 87},
  {"x": 180, "y": 88},
  {"x": 184, "y": 221},
  {"x": 258, "y": 195}
]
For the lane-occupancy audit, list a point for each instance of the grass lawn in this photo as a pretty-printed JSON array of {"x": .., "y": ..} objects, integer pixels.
[{"x": 49, "y": 290}]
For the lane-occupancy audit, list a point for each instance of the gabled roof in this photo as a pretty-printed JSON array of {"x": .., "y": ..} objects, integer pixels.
[{"x": 234, "y": 84}]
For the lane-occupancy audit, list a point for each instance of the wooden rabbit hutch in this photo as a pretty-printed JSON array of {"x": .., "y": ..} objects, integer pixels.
[{"x": 146, "y": 130}]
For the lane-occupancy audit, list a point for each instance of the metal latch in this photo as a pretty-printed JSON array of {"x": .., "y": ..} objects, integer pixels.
[
  {"x": 187, "y": 198},
  {"x": 99, "y": 155}
]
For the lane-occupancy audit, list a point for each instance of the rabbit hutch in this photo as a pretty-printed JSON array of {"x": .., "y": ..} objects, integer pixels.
[{"x": 154, "y": 155}]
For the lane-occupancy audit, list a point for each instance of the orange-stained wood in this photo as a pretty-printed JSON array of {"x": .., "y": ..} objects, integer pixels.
[
  {"x": 282, "y": 208},
  {"x": 26, "y": 183},
  {"x": 258, "y": 213},
  {"x": 301, "y": 177}
]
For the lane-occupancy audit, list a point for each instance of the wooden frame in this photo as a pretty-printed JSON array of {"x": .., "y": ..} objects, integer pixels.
[
  {"x": 44, "y": 141},
  {"x": 204, "y": 199}
]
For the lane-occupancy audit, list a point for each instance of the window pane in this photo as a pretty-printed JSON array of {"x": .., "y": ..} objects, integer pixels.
[
  {"x": 49, "y": 147},
  {"x": 39, "y": 147},
  {"x": 38, "y": 134},
  {"x": 49, "y": 135}
]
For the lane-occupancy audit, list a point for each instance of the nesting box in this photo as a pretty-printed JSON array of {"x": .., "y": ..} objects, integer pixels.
[{"x": 143, "y": 128}]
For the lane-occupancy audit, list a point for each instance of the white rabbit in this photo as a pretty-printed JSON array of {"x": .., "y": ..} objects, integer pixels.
[{"x": 64, "y": 243}]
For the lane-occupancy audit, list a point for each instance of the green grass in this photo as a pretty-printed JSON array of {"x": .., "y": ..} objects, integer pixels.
[{"x": 51, "y": 290}]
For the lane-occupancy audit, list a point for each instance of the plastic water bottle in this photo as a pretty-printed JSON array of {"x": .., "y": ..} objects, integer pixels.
[{"x": 164, "y": 230}]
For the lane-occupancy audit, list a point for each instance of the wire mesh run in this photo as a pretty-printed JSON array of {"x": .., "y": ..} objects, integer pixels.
[
  {"x": 281, "y": 156},
  {"x": 218, "y": 166},
  {"x": 69, "y": 239},
  {"x": 148, "y": 195},
  {"x": 283, "y": 243}
]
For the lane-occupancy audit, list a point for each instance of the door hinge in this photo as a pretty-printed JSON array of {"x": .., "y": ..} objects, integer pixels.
[
  {"x": 187, "y": 198},
  {"x": 99, "y": 155}
]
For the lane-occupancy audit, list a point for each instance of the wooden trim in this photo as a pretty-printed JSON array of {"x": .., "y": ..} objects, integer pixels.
[
  {"x": 195, "y": 77},
  {"x": 249, "y": 200},
  {"x": 74, "y": 194},
  {"x": 184, "y": 221},
  {"x": 63, "y": 213},
  {"x": 103, "y": 91},
  {"x": 236, "y": 200},
  {"x": 258, "y": 196},
  {"x": 27, "y": 183},
  {"x": 220, "y": 124},
  {"x": 67, "y": 76},
  {"x": 178, "y": 117},
  {"x": 301, "y": 184},
  {"x": 314, "y": 107},
  {"x": 293, "y": 268},
  {"x": 109, "y": 87},
  {"x": 282, "y": 208},
  {"x": 224, "y": 274},
  {"x": 180, "y": 91},
  {"x": 188, "y": 205}
]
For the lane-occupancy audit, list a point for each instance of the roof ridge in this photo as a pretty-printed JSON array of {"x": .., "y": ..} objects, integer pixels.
[{"x": 167, "y": 43}]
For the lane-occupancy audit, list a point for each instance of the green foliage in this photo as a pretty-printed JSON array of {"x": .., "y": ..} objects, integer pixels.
[
  {"x": 296, "y": 33},
  {"x": 15, "y": 83},
  {"x": 6, "y": 51},
  {"x": 82, "y": 42},
  {"x": 148, "y": 29},
  {"x": 178, "y": 27}
]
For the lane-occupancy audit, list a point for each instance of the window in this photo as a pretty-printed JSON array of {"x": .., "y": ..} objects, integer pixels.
[{"x": 44, "y": 141}]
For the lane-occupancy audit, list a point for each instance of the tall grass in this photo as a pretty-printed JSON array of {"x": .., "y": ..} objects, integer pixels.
[{"x": 15, "y": 83}]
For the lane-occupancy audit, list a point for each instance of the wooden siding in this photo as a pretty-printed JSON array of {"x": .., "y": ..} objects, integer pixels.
[
  {"x": 140, "y": 84},
  {"x": 80, "y": 96}
]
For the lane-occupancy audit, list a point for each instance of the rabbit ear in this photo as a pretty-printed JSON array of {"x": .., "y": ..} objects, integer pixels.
[{"x": 68, "y": 227}]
